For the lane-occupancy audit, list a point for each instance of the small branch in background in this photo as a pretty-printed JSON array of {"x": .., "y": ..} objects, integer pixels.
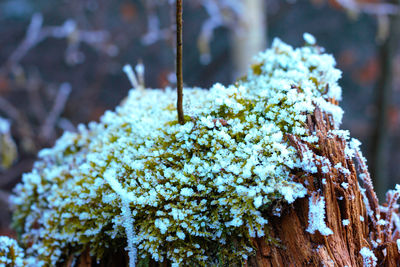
[
  {"x": 25, "y": 130},
  {"x": 12, "y": 175},
  {"x": 36, "y": 33},
  {"x": 140, "y": 74},
  {"x": 66, "y": 125},
  {"x": 369, "y": 8},
  {"x": 179, "y": 52},
  {"x": 220, "y": 14},
  {"x": 32, "y": 38},
  {"x": 33, "y": 86},
  {"x": 154, "y": 32},
  {"x": 47, "y": 130},
  {"x": 136, "y": 78}
]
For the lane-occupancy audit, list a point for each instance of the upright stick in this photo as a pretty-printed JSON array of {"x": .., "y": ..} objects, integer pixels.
[{"x": 179, "y": 52}]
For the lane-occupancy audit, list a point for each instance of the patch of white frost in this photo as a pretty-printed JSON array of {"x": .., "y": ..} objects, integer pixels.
[
  {"x": 369, "y": 259},
  {"x": 316, "y": 215}
]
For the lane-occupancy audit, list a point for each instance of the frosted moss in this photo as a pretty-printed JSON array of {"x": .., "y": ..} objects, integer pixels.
[
  {"x": 11, "y": 254},
  {"x": 193, "y": 193}
]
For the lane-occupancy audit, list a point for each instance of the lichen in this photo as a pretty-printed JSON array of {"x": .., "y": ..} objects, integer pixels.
[{"x": 193, "y": 193}]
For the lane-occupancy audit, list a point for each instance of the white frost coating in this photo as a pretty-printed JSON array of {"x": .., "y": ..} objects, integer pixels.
[
  {"x": 316, "y": 215},
  {"x": 382, "y": 222},
  {"x": 131, "y": 75},
  {"x": 345, "y": 222},
  {"x": 10, "y": 253},
  {"x": 130, "y": 232},
  {"x": 309, "y": 38},
  {"x": 334, "y": 110},
  {"x": 128, "y": 222},
  {"x": 398, "y": 244},
  {"x": 397, "y": 188},
  {"x": 369, "y": 259},
  {"x": 4, "y": 126},
  {"x": 237, "y": 147},
  {"x": 361, "y": 218}
]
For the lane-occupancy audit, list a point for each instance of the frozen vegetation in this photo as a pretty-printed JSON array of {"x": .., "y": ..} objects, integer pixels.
[{"x": 192, "y": 193}]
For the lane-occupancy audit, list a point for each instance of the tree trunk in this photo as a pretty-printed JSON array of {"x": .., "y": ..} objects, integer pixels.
[
  {"x": 251, "y": 36},
  {"x": 383, "y": 93}
]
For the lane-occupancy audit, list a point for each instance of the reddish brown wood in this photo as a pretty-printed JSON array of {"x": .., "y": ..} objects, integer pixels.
[{"x": 300, "y": 248}]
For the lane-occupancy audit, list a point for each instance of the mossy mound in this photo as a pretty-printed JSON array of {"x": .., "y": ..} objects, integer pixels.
[{"x": 192, "y": 193}]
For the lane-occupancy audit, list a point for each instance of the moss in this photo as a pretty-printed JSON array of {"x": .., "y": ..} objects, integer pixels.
[{"x": 193, "y": 194}]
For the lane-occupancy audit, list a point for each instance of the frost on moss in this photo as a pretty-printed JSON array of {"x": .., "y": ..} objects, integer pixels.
[
  {"x": 11, "y": 254},
  {"x": 192, "y": 193}
]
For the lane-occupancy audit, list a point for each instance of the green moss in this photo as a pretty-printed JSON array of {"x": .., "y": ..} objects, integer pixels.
[{"x": 197, "y": 194}]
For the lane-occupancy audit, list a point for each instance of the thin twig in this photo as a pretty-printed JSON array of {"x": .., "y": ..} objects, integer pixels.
[
  {"x": 370, "y": 8},
  {"x": 24, "y": 128},
  {"x": 179, "y": 51},
  {"x": 4, "y": 197},
  {"x": 11, "y": 176},
  {"x": 36, "y": 33},
  {"x": 47, "y": 130}
]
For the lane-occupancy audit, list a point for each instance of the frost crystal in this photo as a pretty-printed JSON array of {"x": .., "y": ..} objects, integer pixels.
[
  {"x": 316, "y": 216},
  {"x": 369, "y": 259},
  {"x": 398, "y": 244},
  {"x": 182, "y": 193},
  {"x": 310, "y": 39}
]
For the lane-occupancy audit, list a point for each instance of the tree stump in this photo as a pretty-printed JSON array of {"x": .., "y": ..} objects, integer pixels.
[{"x": 297, "y": 247}]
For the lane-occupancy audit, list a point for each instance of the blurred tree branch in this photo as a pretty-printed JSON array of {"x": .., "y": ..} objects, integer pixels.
[
  {"x": 377, "y": 8},
  {"x": 36, "y": 33}
]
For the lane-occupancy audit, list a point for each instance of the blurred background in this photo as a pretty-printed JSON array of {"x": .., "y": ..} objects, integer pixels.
[{"x": 61, "y": 64}]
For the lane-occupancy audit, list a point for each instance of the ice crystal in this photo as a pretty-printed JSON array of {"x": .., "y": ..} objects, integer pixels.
[
  {"x": 369, "y": 259},
  {"x": 316, "y": 216},
  {"x": 185, "y": 193}
]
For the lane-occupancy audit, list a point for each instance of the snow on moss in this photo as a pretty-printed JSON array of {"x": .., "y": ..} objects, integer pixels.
[{"x": 188, "y": 192}]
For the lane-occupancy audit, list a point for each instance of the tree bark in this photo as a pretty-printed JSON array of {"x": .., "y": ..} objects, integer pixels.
[{"x": 297, "y": 247}]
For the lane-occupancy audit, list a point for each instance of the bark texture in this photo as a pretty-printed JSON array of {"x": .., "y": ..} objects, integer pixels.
[
  {"x": 297, "y": 247},
  {"x": 293, "y": 245}
]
